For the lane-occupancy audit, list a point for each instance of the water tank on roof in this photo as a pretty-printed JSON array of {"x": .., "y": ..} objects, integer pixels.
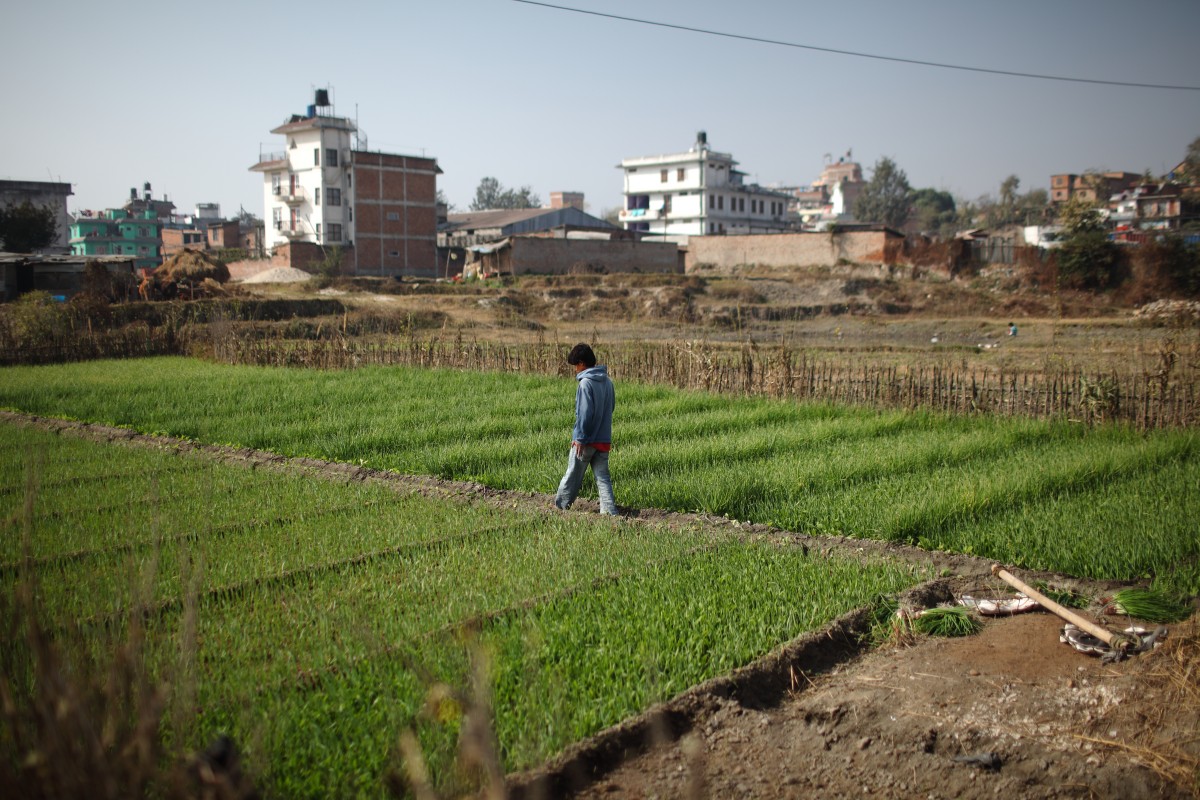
[
  {"x": 701, "y": 138},
  {"x": 322, "y": 97}
]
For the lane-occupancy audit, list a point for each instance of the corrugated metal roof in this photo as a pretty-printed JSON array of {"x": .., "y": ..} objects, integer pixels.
[
  {"x": 522, "y": 220},
  {"x": 38, "y": 258}
]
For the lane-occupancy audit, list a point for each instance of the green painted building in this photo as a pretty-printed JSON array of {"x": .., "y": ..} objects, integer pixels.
[{"x": 116, "y": 233}]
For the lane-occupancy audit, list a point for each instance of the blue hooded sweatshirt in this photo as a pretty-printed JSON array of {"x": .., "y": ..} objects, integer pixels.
[{"x": 594, "y": 402}]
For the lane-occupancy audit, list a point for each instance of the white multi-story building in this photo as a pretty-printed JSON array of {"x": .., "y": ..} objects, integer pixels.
[
  {"x": 304, "y": 186},
  {"x": 327, "y": 189},
  {"x": 697, "y": 193}
]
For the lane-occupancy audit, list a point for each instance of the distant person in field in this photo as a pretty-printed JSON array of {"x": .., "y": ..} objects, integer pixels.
[
  {"x": 591, "y": 438},
  {"x": 1012, "y": 329}
]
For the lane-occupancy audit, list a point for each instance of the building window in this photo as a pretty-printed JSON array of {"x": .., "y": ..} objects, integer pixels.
[
  {"x": 331, "y": 157},
  {"x": 333, "y": 196},
  {"x": 350, "y": 213},
  {"x": 667, "y": 204},
  {"x": 679, "y": 173},
  {"x": 318, "y": 231},
  {"x": 394, "y": 253},
  {"x": 144, "y": 232},
  {"x": 348, "y": 177},
  {"x": 393, "y": 216},
  {"x": 316, "y": 156},
  {"x": 335, "y": 232},
  {"x": 317, "y": 196},
  {"x": 277, "y": 216},
  {"x": 663, "y": 176},
  {"x": 721, "y": 202},
  {"x": 741, "y": 204},
  {"x": 712, "y": 201},
  {"x": 276, "y": 180}
]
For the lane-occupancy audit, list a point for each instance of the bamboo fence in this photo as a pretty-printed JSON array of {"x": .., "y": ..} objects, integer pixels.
[{"x": 1144, "y": 399}]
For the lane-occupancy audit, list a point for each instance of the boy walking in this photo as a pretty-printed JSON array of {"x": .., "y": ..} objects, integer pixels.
[{"x": 591, "y": 438}]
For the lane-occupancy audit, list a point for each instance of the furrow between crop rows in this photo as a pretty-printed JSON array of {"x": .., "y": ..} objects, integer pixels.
[
  {"x": 224, "y": 593},
  {"x": 192, "y": 536}
]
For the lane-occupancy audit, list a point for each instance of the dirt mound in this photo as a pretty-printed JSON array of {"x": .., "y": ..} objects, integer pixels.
[
  {"x": 1168, "y": 312},
  {"x": 192, "y": 266},
  {"x": 279, "y": 275}
]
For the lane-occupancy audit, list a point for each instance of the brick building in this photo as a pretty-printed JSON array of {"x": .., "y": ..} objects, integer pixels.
[
  {"x": 326, "y": 190},
  {"x": 1095, "y": 187},
  {"x": 202, "y": 235}
]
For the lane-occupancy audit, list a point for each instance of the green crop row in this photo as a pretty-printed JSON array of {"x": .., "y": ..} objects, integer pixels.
[
  {"x": 312, "y": 642},
  {"x": 922, "y": 478}
]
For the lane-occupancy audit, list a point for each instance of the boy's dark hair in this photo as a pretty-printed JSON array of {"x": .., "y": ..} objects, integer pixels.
[{"x": 581, "y": 354}]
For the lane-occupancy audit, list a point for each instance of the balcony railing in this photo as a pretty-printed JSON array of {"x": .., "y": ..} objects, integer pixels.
[
  {"x": 292, "y": 195},
  {"x": 290, "y": 233},
  {"x": 642, "y": 213}
]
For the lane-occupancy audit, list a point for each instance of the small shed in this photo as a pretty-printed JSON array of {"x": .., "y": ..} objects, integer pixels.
[
  {"x": 549, "y": 255},
  {"x": 60, "y": 275},
  {"x": 481, "y": 227}
]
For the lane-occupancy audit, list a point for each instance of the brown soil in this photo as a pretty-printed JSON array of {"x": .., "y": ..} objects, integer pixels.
[
  {"x": 893, "y": 723},
  {"x": 827, "y": 716}
]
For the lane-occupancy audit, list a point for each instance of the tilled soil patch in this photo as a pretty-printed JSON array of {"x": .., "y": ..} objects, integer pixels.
[{"x": 1010, "y": 712}]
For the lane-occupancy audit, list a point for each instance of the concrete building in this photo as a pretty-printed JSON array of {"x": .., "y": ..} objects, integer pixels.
[
  {"x": 114, "y": 232},
  {"x": 830, "y": 198},
  {"x": 135, "y": 206},
  {"x": 42, "y": 193},
  {"x": 326, "y": 189},
  {"x": 697, "y": 193},
  {"x": 1152, "y": 207}
]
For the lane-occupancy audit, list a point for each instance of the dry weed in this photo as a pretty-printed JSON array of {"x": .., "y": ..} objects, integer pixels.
[{"x": 1164, "y": 713}]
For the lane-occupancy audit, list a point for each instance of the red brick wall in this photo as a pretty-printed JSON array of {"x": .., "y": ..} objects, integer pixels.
[{"x": 395, "y": 214}]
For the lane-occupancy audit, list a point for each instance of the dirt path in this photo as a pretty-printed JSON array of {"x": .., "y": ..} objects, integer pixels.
[{"x": 821, "y": 716}]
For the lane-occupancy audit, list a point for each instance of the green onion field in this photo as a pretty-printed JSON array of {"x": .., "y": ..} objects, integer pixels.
[{"x": 323, "y": 609}]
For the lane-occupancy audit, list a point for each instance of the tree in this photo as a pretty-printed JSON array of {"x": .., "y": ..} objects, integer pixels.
[
  {"x": 1033, "y": 205},
  {"x": 1007, "y": 207},
  {"x": 1086, "y": 259},
  {"x": 1190, "y": 168},
  {"x": 443, "y": 200},
  {"x": 25, "y": 228},
  {"x": 934, "y": 211},
  {"x": 491, "y": 194},
  {"x": 885, "y": 198}
]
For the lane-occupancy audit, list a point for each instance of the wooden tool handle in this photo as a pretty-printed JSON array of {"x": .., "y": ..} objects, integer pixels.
[{"x": 1117, "y": 641}]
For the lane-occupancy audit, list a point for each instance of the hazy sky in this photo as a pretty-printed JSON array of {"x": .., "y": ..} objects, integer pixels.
[{"x": 183, "y": 95}]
